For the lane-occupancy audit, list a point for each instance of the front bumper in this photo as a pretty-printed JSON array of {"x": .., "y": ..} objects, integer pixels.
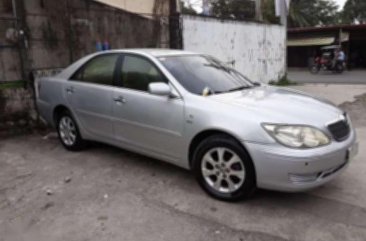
[{"x": 292, "y": 170}]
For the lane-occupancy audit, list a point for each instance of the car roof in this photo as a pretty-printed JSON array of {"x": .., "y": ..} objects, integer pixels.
[
  {"x": 66, "y": 73},
  {"x": 154, "y": 52}
]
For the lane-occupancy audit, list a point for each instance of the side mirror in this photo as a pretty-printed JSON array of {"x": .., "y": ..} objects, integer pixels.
[{"x": 160, "y": 88}]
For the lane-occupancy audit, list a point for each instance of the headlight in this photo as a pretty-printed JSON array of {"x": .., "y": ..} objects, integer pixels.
[{"x": 297, "y": 136}]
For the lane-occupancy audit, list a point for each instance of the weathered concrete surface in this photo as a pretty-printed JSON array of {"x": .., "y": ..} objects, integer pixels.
[
  {"x": 256, "y": 50},
  {"x": 337, "y": 93},
  {"x": 117, "y": 195},
  {"x": 17, "y": 111}
]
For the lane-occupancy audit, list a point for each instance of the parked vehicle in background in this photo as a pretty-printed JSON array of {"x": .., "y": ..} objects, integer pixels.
[
  {"x": 190, "y": 110},
  {"x": 328, "y": 61}
]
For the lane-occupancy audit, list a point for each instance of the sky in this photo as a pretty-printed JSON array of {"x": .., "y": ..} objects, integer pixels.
[
  {"x": 340, "y": 3},
  {"x": 197, "y": 4}
]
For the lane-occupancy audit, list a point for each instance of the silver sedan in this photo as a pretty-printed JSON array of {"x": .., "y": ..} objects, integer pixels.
[{"x": 195, "y": 112}]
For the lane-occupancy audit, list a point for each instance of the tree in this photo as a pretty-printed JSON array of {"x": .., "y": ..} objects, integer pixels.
[
  {"x": 312, "y": 13},
  {"x": 303, "y": 13},
  {"x": 268, "y": 11},
  {"x": 354, "y": 11},
  {"x": 235, "y": 9},
  {"x": 187, "y": 8}
]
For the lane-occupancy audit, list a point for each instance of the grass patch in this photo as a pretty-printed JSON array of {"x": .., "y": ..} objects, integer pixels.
[
  {"x": 284, "y": 81},
  {"x": 12, "y": 85}
]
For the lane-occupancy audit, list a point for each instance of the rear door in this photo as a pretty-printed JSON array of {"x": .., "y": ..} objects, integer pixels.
[
  {"x": 89, "y": 93},
  {"x": 154, "y": 123}
]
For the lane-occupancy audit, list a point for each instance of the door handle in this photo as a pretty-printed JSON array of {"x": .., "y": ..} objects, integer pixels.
[
  {"x": 120, "y": 99},
  {"x": 70, "y": 90}
]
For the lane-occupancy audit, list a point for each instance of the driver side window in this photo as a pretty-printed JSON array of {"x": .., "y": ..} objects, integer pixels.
[
  {"x": 138, "y": 73},
  {"x": 99, "y": 70}
]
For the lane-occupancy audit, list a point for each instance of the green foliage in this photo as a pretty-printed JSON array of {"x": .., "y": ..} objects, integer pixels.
[
  {"x": 268, "y": 11},
  {"x": 12, "y": 85},
  {"x": 187, "y": 9},
  {"x": 234, "y": 9},
  {"x": 304, "y": 13},
  {"x": 312, "y": 13},
  {"x": 284, "y": 81},
  {"x": 354, "y": 11}
]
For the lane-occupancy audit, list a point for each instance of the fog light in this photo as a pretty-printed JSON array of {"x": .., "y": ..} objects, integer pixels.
[{"x": 303, "y": 178}]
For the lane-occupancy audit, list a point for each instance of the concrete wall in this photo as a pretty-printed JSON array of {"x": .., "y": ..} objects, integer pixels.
[
  {"x": 57, "y": 34},
  {"x": 10, "y": 69},
  {"x": 55, "y": 39},
  {"x": 256, "y": 50},
  {"x": 9, "y": 61}
]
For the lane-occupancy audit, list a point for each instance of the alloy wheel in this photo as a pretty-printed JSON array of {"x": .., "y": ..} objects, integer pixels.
[
  {"x": 67, "y": 130},
  {"x": 223, "y": 170}
]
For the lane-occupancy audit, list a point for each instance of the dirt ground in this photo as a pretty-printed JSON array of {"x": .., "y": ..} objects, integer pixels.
[{"x": 105, "y": 193}]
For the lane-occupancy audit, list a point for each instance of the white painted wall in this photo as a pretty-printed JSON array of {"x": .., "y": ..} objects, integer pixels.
[{"x": 258, "y": 50}]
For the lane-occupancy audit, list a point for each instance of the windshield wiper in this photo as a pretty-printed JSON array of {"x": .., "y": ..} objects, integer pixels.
[{"x": 239, "y": 88}]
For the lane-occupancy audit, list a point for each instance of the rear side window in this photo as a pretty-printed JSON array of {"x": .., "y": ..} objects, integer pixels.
[
  {"x": 99, "y": 70},
  {"x": 138, "y": 73}
]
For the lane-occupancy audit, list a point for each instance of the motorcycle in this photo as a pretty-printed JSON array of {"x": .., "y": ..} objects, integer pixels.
[
  {"x": 318, "y": 65},
  {"x": 326, "y": 62}
]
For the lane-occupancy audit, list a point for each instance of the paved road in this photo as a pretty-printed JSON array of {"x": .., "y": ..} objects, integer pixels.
[
  {"x": 348, "y": 77},
  {"x": 105, "y": 193}
]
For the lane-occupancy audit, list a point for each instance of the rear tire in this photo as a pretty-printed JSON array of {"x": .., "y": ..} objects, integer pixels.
[
  {"x": 339, "y": 68},
  {"x": 224, "y": 169},
  {"x": 68, "y": 132}
]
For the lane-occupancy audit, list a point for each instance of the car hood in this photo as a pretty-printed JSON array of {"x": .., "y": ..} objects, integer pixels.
[{"x": 281, "y": 105}]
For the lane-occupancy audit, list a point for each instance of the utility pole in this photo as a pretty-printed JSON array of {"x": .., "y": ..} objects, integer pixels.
[
  {"x": 258, "y": 10},
  {"x": 206, "y": 7},
  {"x": 284, "y": 14},
  {"x": 282, "y": 9},
  {"x": 175, "y": 34},
  {"x": 21, "y": 26}
]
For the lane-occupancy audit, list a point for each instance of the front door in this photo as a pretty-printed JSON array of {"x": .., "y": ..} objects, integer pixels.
[
  {"x": 90, "y": 95},
  {"x": 143, "y": 120}
]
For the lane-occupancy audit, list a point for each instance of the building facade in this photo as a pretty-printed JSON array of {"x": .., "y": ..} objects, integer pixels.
[{"x": 304, "y": 44}]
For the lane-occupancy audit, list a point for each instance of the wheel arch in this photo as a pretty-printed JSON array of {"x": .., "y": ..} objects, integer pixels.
[
  {"x": 198, "y": 138},
  {"x": 57, "y": 112}
]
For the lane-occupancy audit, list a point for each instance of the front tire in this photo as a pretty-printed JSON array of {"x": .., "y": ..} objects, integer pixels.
[
  {"x": 314, "y": 69},
  {"x": 68, "y": 132},
  {"x": 224, "y": 169}
]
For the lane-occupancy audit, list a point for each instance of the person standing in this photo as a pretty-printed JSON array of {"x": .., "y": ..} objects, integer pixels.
[{"x": 341, "y": 56}]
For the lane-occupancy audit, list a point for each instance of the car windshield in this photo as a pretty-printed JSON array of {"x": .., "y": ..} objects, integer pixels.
[{"x": 204, "y": 75}]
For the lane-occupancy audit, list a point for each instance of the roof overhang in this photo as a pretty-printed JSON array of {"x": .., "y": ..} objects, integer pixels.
[
  {"x": 316, "y": 40},
  {"x": 310, "y": 41},
  {"x": 352, "y": 27}
]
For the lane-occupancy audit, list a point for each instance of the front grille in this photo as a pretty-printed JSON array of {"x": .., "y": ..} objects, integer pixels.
[{"x": 340, "y": 129}]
